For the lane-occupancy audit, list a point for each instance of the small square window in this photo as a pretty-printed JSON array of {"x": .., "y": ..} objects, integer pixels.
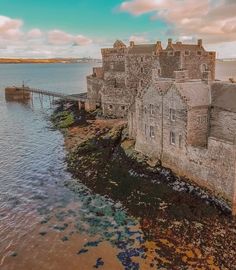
[
  {"x": 110, "y": 107},
  {"x": 199, "y": 53},
  {"x": 172, "y": 138},
  {"x": 123, "y": 108},
  {"x": 187, "y": 52},
  {"x": 172, "y": 115},
  {"x": 152, "y": 133}
]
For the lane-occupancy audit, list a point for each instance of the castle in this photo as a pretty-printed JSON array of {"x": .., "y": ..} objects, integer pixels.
[{"x": 177, "y": 113}]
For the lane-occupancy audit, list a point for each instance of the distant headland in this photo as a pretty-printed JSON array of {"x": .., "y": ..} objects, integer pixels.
[{"x": 48, "y": 60}]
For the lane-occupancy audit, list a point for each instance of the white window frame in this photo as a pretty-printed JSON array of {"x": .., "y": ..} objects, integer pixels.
[
  {"x": 172, "y": 138},
  {"x": 172, "y": 115},
  {"x": 152, "y": 132}
]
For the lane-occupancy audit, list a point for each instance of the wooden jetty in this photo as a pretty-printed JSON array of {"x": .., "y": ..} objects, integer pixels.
[{"x": 24, "y": 93}]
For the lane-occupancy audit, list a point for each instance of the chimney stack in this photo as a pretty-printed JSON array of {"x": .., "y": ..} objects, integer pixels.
[
  {"x": 170, "y": 42},
  {"x": 131, "y": 44},
  {"x": 199, "y": 42}
]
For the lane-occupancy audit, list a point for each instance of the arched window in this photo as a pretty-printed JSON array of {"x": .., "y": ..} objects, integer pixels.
[{"x": 204, "y": 67}]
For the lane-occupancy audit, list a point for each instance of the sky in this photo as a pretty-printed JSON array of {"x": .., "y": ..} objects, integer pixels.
[{"x": 80, "y": 28}]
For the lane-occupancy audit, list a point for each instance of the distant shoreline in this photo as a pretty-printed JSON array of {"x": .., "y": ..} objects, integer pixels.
[{"x": 48, "y": 61}]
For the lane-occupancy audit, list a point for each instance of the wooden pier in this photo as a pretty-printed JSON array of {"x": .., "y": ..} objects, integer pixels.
[{"x": 23, "y": 93}]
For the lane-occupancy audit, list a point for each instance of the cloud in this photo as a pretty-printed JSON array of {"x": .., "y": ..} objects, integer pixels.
[
  {"x": 10, "y": 28},
  {"x": 35, "y": 33},
  {"x": 138, "y": 39},
  {"x": 213, "y": 20},
  {"x": 15, "y": 42}
]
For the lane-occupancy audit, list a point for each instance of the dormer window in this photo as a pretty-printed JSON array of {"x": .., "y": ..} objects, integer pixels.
[{"x": 187, "y": 52}]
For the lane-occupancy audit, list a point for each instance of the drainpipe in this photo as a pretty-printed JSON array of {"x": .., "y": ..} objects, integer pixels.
[{"x": 234, "y": 185}]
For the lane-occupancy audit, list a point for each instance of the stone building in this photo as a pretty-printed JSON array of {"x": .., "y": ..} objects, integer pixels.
[
  {"x": 190, "y": 126},
  {"x": 125, "y": 69}
]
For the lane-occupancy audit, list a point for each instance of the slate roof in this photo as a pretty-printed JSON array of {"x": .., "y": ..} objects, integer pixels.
[
  {"x": 195, "y": 93},
  {"x": 142, "y": 49},
  {"x": 224, "y": 95}
]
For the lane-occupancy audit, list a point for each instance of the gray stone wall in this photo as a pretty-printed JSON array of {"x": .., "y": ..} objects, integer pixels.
[
  {"x": 223, "y": 124},
  {"x": 194, "y": 63},
  {"x": 208, "y": 161},
  {"x": 198, "y": 126},
  {"x": 94, "y": 88},
  {"x": 169, "y": 63},
  {"x": 139, "y": 69}
]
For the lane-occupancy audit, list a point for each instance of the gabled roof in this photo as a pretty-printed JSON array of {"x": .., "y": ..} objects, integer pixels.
[
  {"x": 195, "y": 93},
  {"x": 224, "y": 95},
  {"x": 142, "y": 49},
  {"x": 119, "y": 44},
  {"x": 184, "y": 47}
]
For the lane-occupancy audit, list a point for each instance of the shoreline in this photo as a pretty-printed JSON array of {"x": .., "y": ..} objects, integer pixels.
[{"x": 102, "y": 157}]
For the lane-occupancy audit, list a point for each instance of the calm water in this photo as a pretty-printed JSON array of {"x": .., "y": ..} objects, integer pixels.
[{"x": 43, "y": 225}]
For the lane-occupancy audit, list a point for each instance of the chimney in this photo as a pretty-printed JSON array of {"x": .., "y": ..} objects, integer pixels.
[
  {"x": 199, "y": 42},
  {"x": 170, "y": 42},
  {"x": 131, "y": 44},
  {"x": 159, "y": 43}
]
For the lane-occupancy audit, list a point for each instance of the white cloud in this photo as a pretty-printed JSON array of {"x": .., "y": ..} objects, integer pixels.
[
  {"x": 35, "y": 33},
  {"x": 15, "y": 42},
  {"x": 213, "y": 20},
  {"x": 138, "y": 39}
]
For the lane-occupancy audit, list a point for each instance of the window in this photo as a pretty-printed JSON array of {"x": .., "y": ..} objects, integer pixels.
[
  {"x": 145, "y": 129},
  {"x": 112, "y": 66},
  {"x": 180, "y": 141},
  {"x": 141, "y": 59},
  {"x": 141, "y": 83},
  {"x": 172, "y": 138},
  {"x": 145, "y": 110},
  {"x": 159, "y": 71},
  {"x": 152, "y": 134},
  {"x": 152, "y": 111},
  {"x": 204, "y": 67},
  {"x": 172, "y": 115},
  {"x": 123, "y": 108},
  {"x": 187, "y": 52},
  {"x": 202, "y": 119},
  {"x": 141, "y": 70},
  {"x": 199, "y": 53},
  {"x": 170, "y": 53},
  {"x": 110, "y": 107}
]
